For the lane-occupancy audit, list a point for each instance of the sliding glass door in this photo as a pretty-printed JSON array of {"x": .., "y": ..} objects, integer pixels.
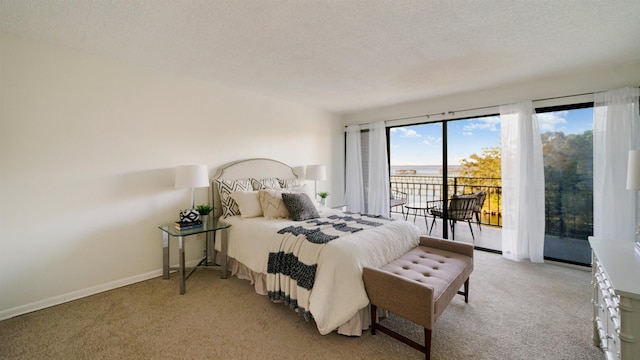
[
  {"x": 432, "y": 162},
  {"x": 567, "y": 142},
  {"x": 470, "y": 150}
]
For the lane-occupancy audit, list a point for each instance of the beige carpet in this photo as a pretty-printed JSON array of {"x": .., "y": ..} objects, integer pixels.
[{"x": 516, "y": 311}]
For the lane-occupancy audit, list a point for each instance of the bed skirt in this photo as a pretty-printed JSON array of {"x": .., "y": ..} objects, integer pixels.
[{"x": 354, "y": 327}]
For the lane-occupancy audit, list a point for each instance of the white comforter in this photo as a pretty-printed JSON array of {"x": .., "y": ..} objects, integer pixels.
[{"x": 338, "y": 293}]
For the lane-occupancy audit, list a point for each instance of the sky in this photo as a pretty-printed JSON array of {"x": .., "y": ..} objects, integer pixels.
[{"x": 422, "y": 144}]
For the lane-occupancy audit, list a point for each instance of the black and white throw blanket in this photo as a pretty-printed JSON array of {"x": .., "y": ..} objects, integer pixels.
[{"x": 343, "y": 242}]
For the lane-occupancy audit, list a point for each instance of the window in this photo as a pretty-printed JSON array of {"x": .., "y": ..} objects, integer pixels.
[
  {"x": 567, "y": 143},
  {"x": 466, "y": 149},
  {"x": 470, "y": 148}
]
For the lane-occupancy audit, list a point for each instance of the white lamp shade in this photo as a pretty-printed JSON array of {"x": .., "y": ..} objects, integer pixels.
[
  {"x": 633, "y": 170},
  {"x": 316, "y": 172},
  {"x": 190, "y": 176}
]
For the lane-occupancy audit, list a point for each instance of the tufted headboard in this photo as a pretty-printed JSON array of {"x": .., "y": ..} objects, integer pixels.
[{"x": 257, "y": 168}]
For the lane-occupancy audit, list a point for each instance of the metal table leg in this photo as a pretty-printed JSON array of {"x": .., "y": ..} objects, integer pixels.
[
  {"x": 223, "y": 249},
  {"x": 182, "y": 265},
  {"x": 165, "y": 255}
]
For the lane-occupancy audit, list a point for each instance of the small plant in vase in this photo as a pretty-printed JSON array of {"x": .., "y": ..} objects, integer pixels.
[
  {"x": 323, "y": 198},
  {"x": 204, "y": 211}
]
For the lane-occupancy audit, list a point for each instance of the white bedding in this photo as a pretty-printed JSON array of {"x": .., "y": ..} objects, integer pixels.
[{"x": 338, "y": 296}]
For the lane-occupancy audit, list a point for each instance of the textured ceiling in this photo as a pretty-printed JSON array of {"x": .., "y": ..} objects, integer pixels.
[{"x": 343, "y": 55}]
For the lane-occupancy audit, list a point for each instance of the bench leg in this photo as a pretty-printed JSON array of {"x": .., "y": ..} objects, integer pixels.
[
  {"x": 426, "y": 349},
  {"x": 465, "y": 292},
  {"x": 374, "y": 318},
  {"x": 427, "y": 343}
]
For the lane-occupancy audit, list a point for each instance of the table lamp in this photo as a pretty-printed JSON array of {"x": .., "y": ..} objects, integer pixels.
[
  {"x": 633, "y": 183},
  {"x": 191, "y": 176},
  {"x": 316, "y": 173}
]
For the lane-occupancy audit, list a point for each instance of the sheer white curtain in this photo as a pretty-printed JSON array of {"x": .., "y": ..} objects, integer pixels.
[
  {"x": 378, "y": 194},
  {"x": 616, "y": 130},
  {"x": 354, "y": 188},
  {"x": 522, "y": 183}
]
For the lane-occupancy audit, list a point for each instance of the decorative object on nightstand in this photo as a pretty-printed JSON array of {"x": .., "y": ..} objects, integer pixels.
[
  {"x": 316, "y": 173},
  {"x": 191, "y": 176},
  {"x": 204, "y": 210},
  {"x": 323, "y": 198},
  {"x": 633, "y": 183}
]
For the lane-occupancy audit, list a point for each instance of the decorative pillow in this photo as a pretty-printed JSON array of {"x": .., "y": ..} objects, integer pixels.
[
  {"x": 300, "y": 207},
  {"x": 226, "y": 188},
  {"x": 267, "y": 183},
  {"x": 287, "y": 183},
  {"x": 303, "y": 189},
  {"x": 272, "y": 205},
  {"x": 248, "y": 203}
]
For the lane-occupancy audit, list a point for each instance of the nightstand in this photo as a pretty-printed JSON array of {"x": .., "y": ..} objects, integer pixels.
[{"x": 208, "y": 261}]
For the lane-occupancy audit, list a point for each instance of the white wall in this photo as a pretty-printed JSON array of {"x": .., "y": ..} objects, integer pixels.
[
  {"x": 570, "y": 82},
  {"x": 570, "y": 87},
  {"x": 88, "y": 147}
]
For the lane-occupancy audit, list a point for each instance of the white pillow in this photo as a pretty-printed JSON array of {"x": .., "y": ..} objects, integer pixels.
[{"x": 248, "y": 203}]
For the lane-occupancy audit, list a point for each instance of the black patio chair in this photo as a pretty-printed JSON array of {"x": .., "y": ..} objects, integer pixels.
[
  {"x": 398, "y": 198},
  {"x": 460, "y": 208}
]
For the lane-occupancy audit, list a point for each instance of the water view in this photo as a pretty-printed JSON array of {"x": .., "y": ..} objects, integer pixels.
[{"x": 473, "y": 159}]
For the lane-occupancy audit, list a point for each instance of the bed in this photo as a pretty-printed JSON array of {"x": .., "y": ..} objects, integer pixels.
[{"x": 314, "y": 264}]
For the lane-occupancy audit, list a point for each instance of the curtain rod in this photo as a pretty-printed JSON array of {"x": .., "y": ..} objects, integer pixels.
[
  {"x": 473, "y": 109},
  {"x": 451, "y": 112}
]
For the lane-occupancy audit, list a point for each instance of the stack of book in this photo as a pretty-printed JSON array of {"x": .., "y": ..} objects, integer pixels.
[{"x": 186, "y": 225}]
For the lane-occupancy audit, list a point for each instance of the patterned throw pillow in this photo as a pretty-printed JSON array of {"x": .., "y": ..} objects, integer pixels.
[
  {"x": 300, "y": 207},
  {"x": 228, "y": 187},
  {"x": 287, "y": 183},
  {"x": 272, "y": 205},
  {"x": 267, "y": 183}
]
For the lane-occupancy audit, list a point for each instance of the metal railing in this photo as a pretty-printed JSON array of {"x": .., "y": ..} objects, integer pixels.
[
  {"x": 568, "y": 212},
  {"x": 421, "y": 189}
]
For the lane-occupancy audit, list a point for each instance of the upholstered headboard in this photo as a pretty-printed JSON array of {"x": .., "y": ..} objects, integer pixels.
[{"x": 258, "y": 168}]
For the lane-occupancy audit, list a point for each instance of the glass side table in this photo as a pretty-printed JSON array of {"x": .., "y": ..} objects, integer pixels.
[{"x": 208, "y": 261}]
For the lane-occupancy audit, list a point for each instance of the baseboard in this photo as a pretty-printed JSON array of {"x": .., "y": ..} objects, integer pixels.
[{"x": 56, "y": 300}]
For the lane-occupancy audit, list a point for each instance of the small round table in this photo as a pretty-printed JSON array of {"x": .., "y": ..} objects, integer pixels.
[{"x": 417, "y": 207}]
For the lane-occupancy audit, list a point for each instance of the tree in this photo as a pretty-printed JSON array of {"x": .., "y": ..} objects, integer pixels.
[
  {"x": 568, "y": 172},
  {"x": 485, "y": 166},
  {"x": 483, "y": 172}
]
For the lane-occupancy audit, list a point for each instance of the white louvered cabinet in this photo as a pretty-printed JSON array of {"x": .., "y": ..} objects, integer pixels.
[{"x": 616, "y": 298}]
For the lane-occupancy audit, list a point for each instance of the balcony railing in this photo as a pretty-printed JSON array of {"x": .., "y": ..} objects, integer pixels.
[
  {"x": 568, "y": 212},
  {"x": 424, "y": 188}
]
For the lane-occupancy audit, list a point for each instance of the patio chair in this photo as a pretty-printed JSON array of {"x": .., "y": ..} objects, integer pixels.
[
  {"x": 398, "y": 198},
  {"x": 481, "y": 196},
  {"x": 461, "y": 208}
]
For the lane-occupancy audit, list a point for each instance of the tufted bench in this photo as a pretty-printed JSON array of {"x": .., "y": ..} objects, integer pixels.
[{"x": 419, "y": 285}]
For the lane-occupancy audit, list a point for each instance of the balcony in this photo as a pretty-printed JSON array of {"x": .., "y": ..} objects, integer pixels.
[
  {"x": 421, "y": 189},
  {"x": 566, "y": 235}
]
